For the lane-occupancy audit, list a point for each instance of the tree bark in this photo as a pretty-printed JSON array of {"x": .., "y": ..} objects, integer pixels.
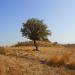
[{"x": 35, "y": 44}]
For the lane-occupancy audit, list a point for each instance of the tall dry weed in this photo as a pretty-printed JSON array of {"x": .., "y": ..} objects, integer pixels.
[{"x": 60, "y": 59}]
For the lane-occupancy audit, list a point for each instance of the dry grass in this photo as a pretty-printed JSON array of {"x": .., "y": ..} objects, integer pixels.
[
  {"x": 59, "y": 60},
  {"x": 54, "y": 60},
  {"x": 2, "y": 50}
]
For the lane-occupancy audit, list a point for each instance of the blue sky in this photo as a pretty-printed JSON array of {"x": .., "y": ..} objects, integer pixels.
[{"x": 59, "y": 15}]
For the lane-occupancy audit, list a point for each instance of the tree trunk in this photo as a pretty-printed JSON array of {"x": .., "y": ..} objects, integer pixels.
[{"x": 35, "y": 44}]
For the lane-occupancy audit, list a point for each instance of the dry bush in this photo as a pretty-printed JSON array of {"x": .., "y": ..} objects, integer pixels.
[
  {"x": 58, "y": 60},
  {"x": 55, "y": 60},
  {"x": 2, "y": 50},
  {"x": 29, "y": 43},
  {"x": 55, "y": 43},
  {"x": 71, "y": 65}
]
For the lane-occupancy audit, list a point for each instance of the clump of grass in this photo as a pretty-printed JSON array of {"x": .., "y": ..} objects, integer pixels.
[
  {"x": 55, "y": 61},
  {"x": 2, "y": 50},
  {"x": 59, "y": 60},
  {"x": 70, "y": 66}
]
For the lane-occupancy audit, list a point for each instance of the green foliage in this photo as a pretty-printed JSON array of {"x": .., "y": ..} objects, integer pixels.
[{"x": 35, "y": 29}]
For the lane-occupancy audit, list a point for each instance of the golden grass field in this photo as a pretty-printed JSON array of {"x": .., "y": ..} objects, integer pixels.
[{"x": 22, "y": 60}]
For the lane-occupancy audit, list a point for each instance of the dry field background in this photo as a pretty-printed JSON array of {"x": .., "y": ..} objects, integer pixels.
[{"x": 22, "y": 60}]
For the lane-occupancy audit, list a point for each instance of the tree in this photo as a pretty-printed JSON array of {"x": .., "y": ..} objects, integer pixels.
[{"x": 34, "y": 29}]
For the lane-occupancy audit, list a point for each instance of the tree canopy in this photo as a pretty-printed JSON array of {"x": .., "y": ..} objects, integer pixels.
[{"x": 35, "y": 29}]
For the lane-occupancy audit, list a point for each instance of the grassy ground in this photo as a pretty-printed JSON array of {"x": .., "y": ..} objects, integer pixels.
[{"x": 55, "y": 60}]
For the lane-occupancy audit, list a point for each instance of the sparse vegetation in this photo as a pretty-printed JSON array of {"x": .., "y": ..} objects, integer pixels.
[{"x": 22, "y": 60}]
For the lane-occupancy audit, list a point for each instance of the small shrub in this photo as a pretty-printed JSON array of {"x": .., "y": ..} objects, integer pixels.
[
  {"x": 55, "y": 43},
  {"x": 70, "y": 66},
  {"x": 53, "y": 60},
  {"x": 2, "y": 51},
  {"x": 61, "y": 60},
  {"x": 58, "y": 60}
]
